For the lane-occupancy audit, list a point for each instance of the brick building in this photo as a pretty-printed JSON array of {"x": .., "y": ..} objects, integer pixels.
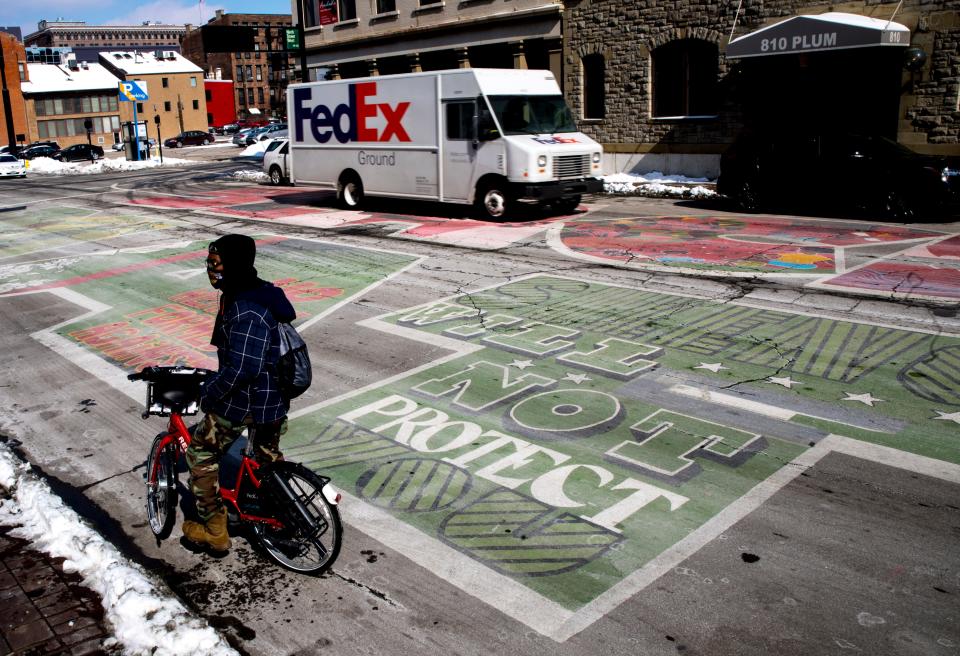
[
  {"x": 60, "y": 98},
  {"x": 260, "y": 76},
  {"x": 660, "y": 90},
  {"x": 221, "y": 102},
  {"x": 13, "y": 72},
  {"x": 174, "y": 85},
  {"x": 88, "y": 41}
]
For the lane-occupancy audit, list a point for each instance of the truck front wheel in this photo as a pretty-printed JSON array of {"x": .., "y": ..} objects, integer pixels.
[
  {"x": 493, "y": 201},
  {"x": 350, "y": 191}
]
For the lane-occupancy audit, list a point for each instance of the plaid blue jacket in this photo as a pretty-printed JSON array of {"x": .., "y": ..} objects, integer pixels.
[{"x": 248, "y": 349}]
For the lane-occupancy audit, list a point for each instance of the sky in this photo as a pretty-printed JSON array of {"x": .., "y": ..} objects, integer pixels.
[{"x": 125, "y": 12}]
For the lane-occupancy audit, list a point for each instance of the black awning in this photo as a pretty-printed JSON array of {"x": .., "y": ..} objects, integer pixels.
[{"x": 830, "y": 31}]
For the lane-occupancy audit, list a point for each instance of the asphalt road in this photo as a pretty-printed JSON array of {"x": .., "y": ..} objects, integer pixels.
[{"x": 631, "y": 439}]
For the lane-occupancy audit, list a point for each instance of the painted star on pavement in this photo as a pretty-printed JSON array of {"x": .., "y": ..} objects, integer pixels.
[
  {"x": 577, "y": 378},
  {"x": 521, "y": 364},
  {"x": 785, "y": 381},
  {"x": 714, "y": 366},
  {"x": 948, "y": 416},
  {"x": 866, "y": 398}
]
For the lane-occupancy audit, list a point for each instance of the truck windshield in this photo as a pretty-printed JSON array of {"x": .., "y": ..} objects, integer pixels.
[{"x": 532, "y": 114}]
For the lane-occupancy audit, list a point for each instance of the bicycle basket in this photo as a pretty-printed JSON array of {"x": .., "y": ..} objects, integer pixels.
[{"x": 174, "y": 389}]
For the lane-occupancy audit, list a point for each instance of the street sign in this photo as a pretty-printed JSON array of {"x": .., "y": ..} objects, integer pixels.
[
  {"x": 133, "y": 91},
  {"x": 292, "y": 38}
]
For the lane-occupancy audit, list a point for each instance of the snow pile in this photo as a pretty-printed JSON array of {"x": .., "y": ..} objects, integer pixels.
[
  {"x": 256, "y": 150},
  {"x": 657, "y": 185},
  {"x": 48, "y": 166},
  {"x": 247, "y": 175},
  {"x": 145, "y": 619}
]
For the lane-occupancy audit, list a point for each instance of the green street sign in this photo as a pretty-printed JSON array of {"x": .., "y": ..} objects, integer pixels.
[{"x": 292, "y": 40}]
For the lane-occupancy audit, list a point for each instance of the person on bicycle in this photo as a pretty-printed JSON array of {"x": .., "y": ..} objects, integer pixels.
[{"x": 244, "y": 391}]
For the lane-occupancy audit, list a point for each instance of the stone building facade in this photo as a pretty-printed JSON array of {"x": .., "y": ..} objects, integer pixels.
[
  {"x": 88, "y": 41},
  {"x": 356, "y": 38},
  {"x": 260, "y": 76},
  {"x": 613, "y": 51}
]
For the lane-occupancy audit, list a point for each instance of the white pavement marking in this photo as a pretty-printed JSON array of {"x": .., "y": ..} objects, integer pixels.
[{"x": 765, "y": 409}]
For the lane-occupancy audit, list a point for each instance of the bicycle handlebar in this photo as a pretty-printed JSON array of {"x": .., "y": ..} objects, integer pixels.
[{"x": 154, "y": 372}]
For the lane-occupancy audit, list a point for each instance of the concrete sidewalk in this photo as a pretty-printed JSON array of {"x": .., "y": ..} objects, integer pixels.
[{"x": 44, "y": 610}]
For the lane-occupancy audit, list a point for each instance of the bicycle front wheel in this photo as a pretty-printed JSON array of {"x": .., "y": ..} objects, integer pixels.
[
  {"x": 161, "y": 482},
  {"x": 307, "y": 549}
]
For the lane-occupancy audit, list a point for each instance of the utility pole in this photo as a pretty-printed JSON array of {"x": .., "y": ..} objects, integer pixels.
[{"x": 302, "y": 43}]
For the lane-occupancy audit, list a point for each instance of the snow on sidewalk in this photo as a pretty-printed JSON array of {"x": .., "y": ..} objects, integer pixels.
[
  {"x": 48, "y": 166},
  {"x": 656, "y": 184},
  {"x": 146, "y": 619}
]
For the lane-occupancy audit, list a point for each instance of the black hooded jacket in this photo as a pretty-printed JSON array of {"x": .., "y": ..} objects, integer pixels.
[{"x": 247, "y": 340}]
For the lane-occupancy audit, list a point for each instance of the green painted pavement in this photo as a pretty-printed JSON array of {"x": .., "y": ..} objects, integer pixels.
[{"x": 571, "y": 442}]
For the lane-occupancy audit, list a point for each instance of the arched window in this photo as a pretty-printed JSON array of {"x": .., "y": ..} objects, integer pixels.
[
  {"x": 594, "y": 83},
  {"x": 685, "y": 78}
]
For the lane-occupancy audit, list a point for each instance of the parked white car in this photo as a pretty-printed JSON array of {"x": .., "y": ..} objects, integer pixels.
[
  {"x": 11, "y": 167},
  {"x": 275, "y": 161}
]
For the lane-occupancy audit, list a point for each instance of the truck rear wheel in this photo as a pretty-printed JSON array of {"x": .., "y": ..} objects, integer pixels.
[
  {"x": 493, "y": 201},
  {"x": 350, "y": 191}
]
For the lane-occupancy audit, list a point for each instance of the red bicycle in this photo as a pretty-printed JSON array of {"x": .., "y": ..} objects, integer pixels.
[{"x": 290, "y": 511}]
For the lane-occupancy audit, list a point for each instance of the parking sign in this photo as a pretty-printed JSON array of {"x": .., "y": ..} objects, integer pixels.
[{"x": 133, "y": 91}]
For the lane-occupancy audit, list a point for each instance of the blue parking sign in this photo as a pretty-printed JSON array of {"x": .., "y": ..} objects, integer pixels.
[{"x": 133, "y": 91}]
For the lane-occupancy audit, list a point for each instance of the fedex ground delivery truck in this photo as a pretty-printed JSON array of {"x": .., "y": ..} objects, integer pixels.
[{"x": 488, "y": 137}]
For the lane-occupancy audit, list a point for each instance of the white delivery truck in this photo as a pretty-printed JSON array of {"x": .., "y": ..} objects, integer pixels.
[{"x": 489, "y": 137}]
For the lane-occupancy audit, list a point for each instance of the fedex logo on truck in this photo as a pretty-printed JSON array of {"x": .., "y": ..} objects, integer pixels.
[{"x": 326, "y": 122}]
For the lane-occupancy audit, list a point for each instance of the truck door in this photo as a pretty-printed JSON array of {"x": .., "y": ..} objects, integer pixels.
[{"x": 458, "y": 151}]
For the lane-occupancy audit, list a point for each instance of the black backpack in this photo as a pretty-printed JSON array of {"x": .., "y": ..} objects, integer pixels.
[{"x": 293, "y": 369}]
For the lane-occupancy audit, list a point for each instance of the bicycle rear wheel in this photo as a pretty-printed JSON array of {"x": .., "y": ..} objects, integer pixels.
[
  {"x": 300, "y": 546},
  {"x": 161, "y": 479}
]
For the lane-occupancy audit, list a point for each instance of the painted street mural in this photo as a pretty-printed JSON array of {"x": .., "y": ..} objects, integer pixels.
[
  {"x": 858, "y": 257},
  {"x": 580, "y": 430}
]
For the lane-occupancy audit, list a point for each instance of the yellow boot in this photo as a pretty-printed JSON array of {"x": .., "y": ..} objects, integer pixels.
[{"x": 212, "y": 534}]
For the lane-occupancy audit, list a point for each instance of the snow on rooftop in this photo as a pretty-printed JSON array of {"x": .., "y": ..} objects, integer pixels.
[
  {"x": 148, "y": 63},
  {"x": 49, "y": 78}
]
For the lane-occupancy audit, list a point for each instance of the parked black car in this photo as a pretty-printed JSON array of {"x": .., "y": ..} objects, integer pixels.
[
  {"x": 189, "y": 138},
  {"x": 52, "y": 144},
  {"x": 38, "y": 151},
  {"x": 838, "y": 171},
  {"x": 80, "y": 152}
]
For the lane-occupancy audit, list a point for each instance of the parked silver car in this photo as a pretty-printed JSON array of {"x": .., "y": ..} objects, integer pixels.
[{"x": 240, "y": 138}]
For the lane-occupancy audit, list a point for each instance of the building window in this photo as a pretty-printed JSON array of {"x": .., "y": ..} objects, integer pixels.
[
  {"x": 239, "y": 73},
  {"x": 249, "y": 72},
  {"x": 594, "y": 87},
  {"x": 240, "y": 96},
  {"x": 260, "y": 95},
  {"x": 196, "y": 104},
  {"x": 347, "y": 9},
  {"x": 140, "y": 108},
  {"x": 193, "y": 81},
  {"x": 259, "y": 73},
  {"x": 429, "y": 2},
  {"x": 685, "y": 78},
  {"x": 207, "y": 95},
  {"x": 386, "y": 6},
  {"x": 164, "y": 82},
  {"x": 249, "y": 96},
  {"x": 23, "y": 71},
  {"x": 166, "y": 106}
]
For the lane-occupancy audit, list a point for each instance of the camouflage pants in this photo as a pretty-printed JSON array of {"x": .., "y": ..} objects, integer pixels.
[{"x": 211, "y": 440}]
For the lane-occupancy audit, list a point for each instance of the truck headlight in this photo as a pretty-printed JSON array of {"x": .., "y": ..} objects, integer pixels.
[
  {"x": 542, "y": 160},
  {"x": 596, "y": 158}
]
